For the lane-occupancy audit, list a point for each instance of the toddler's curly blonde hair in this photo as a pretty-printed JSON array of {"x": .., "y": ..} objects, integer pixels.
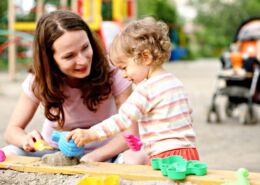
[{"x": 140, "y": 35}]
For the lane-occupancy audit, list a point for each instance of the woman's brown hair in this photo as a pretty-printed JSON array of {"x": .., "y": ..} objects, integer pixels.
[{"x": 49, "y": 80}]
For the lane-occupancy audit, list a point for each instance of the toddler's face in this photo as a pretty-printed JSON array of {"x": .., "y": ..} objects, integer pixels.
[{"x": 132, "y": 70}]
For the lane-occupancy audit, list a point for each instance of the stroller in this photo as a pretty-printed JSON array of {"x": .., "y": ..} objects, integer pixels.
[{"x": 239, "y": 76}]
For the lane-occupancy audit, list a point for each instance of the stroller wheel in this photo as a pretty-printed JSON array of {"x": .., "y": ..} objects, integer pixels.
[
  {"x": 246, "y": 115},
  {"x": 229, "y": 108},
  {"x": 213, "y": 115}
]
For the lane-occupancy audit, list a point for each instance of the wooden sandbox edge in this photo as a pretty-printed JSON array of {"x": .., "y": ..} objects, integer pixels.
[{"x": 124, "y": 171}]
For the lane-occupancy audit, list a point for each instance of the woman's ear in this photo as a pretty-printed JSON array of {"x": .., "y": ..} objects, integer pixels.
[{"x": 147, "y": 57}]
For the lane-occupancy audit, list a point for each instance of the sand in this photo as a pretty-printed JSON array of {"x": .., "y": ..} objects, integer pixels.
[
  {"x": 11, "y": 177},
  {"x": 58, "y": 159}
]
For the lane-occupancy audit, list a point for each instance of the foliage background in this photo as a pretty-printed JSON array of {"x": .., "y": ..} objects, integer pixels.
[
  {"x": 219, "y": 20},
  {"x": 216, "y": 22}
]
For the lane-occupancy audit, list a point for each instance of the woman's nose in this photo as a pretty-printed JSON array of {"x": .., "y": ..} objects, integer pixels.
[{"x": 81, "y": 59}]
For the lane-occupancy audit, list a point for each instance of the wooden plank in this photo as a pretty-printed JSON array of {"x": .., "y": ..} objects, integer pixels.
[{"x": 129, "y": 172}]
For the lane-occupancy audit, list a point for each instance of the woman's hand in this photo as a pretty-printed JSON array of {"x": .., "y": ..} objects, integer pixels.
[
  {"x": 30, "y": 139},
  {"x": 81, "y": 136}
]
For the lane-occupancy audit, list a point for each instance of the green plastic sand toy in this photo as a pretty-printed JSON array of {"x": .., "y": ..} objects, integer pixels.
[{"x": 177, "y": 168}]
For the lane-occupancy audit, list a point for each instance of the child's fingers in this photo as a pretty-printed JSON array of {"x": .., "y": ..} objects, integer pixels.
[
  {"x": 70, "y": 135},
  {"x": 80, "y": 143},
  {"x": 77, "y": 141}
]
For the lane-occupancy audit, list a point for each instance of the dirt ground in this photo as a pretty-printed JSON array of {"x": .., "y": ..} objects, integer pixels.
[
  {"x": 9, "y": 177},
  {"x": 225, "y": 146}
]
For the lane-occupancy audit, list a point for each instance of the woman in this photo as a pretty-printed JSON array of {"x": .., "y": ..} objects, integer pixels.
[{"x": 72, "y": 79}]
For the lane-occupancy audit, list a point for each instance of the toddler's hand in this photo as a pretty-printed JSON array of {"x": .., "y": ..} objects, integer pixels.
[
  {"x": 80, "y": 136},
  {"x": 133, "y": 142}
]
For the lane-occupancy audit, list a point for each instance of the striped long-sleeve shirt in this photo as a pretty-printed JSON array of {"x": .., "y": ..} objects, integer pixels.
[{"x": 160, "y": 108}]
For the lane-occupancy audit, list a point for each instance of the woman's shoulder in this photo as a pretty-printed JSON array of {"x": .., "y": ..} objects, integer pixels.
[
  {"x": 119, "y": 82},
  {"x": 27, "y": 87},
  {"x": 29, "y": 79}
]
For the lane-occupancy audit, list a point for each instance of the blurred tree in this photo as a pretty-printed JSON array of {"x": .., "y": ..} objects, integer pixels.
[
  {"x": 144, "y": 10},
  {"x": 219, "y": 20},
  {"x": 160, "y": 9},
  {"x": 107, "y": 10},
  {"x": 3, "y": 26},
  {"x": 3, "y": 14},
  {"x": 166, "y": 11}
]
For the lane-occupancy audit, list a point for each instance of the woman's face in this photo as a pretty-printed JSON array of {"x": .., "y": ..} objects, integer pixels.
[{"x": 73, "y": 54}]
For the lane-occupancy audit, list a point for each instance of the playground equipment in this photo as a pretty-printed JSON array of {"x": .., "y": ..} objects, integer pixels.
[
  {"x": 178, "y": 38},
  {"x": 17, "y": 36},
  {"x": 91, "y": 12}
]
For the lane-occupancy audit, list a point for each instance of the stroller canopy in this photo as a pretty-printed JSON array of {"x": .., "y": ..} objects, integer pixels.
[{"x": 248, "y": 30}]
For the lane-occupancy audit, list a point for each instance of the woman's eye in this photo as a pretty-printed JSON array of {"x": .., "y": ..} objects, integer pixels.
[
  {"x": 68, "y": 57},
  {"x": 85, "y": 47}
]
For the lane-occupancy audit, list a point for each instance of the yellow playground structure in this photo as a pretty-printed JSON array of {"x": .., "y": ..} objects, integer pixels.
[{"x": 91, "y": 12}]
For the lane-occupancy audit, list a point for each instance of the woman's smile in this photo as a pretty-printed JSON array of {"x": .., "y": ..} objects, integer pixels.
[{"x": 81, "y": 70}]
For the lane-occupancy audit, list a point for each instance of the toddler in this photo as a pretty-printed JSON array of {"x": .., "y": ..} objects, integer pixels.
[{"x": 158, "y": 103}]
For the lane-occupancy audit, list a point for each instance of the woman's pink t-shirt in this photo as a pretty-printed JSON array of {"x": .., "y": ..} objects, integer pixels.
[{"x": 77, "y": 115}]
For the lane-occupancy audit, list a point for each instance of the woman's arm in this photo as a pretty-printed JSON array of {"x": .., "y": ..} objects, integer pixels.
[
  {"x": 15, "y": 132},
  {"x": 117, "y": 144}
]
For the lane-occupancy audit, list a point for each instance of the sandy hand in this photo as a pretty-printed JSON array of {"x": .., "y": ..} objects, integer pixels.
[{"x": 133, "y": 142}]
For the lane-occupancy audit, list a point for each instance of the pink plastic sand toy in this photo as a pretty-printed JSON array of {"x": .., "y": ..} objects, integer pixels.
[
  {"x": 133, "y": 142},
  {"x": 2, "y": 156}
]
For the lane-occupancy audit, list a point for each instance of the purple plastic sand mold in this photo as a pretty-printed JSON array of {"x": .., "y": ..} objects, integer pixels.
[{"x": 133, "y": 142}]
